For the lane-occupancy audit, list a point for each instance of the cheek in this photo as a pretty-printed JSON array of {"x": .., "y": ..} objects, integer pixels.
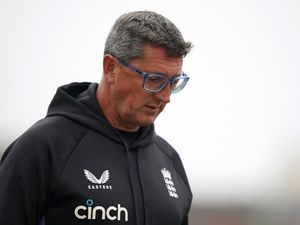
[
  {"x": 129, "y": 98},
  {"x": 127, "y": 87}
]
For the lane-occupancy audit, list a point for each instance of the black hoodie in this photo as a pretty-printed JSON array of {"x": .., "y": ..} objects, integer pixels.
[{"x": 73, "y": 167}]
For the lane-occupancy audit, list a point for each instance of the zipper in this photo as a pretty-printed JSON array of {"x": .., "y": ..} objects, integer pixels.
[
  {"x": 136, "y": 183},
  {"x": 142, "y": 187}
]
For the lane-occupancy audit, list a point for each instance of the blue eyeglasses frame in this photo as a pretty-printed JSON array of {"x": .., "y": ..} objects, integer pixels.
[{"x": 166, "y": 79}]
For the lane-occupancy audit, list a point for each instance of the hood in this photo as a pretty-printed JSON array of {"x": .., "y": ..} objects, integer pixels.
[{"x": 77, "y": 101}]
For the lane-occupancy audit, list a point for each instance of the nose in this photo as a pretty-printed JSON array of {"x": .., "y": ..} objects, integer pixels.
[{"x": 164, "y": 94}]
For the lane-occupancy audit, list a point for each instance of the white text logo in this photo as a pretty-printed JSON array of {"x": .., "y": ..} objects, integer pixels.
[
  {"x": 91, "y": 212},
  {"x": 169, "y": 183},
  {"x": 98, "y": 183}
]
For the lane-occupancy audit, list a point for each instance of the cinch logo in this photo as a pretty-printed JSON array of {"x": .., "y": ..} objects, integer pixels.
[
  {"x": 99, "y": 183},
  {"x": 89, "y": 212}
]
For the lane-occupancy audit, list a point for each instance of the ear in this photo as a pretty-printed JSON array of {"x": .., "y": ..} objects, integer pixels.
[{"x": 110, "y": 66}]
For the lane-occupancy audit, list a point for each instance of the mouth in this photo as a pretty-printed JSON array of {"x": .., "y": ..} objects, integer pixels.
[{"x": 152, "y": 108}]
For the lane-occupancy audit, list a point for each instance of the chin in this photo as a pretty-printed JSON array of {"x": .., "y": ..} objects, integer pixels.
[{"x": 147, "y": 121}]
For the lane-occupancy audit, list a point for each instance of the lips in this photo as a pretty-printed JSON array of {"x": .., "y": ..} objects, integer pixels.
[{"x": 152, "y": 108}]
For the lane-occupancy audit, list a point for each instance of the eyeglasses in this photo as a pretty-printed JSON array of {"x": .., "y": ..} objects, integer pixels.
[{"x": 155, "y": 82}]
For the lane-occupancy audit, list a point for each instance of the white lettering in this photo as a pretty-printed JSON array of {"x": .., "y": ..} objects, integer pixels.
[
  {"x": 92, "y": 213},
  {"x": 98, "y": 187},
  {"x": 108, "y": 212},
  {"x": 120, "y": 209},
  {"x": 76, "y": 212},
  {"x": 95, "y": 211},
  {"x": 89, "y": 212}
]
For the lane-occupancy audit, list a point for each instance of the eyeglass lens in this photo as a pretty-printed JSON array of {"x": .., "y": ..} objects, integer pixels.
[{"x": 156, "y": 82}]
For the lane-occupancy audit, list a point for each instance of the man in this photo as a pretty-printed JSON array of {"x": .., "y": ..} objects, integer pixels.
[{"x": 95, "y": 158}]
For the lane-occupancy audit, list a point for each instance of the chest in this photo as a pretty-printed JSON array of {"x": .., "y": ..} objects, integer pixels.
[{"x": 102, "y": 183}]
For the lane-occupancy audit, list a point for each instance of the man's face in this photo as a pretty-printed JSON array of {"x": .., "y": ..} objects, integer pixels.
[{"x": 134, "y": 106}]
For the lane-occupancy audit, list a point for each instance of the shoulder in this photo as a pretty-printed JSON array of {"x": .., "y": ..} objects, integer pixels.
[
  {"x": 53, "y": 126},
  {"x": 165, "y": 147},
  {"x": 54, "y": 129},
  {"x": 168, "y": 150},
  {"x": 47, "y": 137}
]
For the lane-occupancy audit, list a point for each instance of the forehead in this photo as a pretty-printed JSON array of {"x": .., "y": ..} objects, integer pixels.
[{"x": 155, "y": 59}]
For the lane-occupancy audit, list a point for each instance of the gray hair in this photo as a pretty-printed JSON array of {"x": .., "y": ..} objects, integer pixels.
[{"x": 133, "y": 30}]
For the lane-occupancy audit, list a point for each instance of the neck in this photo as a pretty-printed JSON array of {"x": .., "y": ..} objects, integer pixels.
[{"x": 110, "y": 112}]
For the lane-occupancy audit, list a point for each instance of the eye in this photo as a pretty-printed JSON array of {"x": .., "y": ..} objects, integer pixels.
[
  {"x": 175, "y": 82},
  {"x": 155, "y": 78}
]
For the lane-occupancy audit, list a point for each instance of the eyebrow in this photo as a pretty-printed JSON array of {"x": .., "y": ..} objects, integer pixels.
[
  {"x": 154, "y": 72},
  {"x": 147, "y": 72}
]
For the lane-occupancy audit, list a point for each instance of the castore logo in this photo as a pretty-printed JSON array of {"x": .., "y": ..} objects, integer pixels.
[{"x": 98, "y": 183}]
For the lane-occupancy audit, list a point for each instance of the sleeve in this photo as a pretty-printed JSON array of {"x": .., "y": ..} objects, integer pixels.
[
  {"x": 24, "y": 181},
  {"x": 185, "y": 221},
  {"x": 172, "y": 153},
  {"x": 169, "y": 150}
]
